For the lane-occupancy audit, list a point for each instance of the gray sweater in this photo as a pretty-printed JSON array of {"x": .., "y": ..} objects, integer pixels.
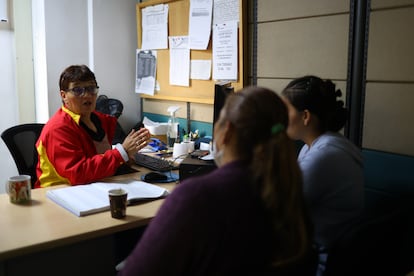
[{"x": 333, "y": 185}]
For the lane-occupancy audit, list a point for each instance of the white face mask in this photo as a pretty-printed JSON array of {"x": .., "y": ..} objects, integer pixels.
[{"x": 218, "y": 155}]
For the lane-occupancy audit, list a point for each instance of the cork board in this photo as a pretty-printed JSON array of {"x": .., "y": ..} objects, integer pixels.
[{"x": 199, "y": 91}]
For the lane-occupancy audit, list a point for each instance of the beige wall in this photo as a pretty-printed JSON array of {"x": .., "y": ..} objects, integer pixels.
[
  {"x": 198, "y": 112},
  {"x": 298, "y": 37},
  {"x": 390, "y": 78}
]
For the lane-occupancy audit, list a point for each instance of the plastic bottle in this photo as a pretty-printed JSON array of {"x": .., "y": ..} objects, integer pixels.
[{"x": 172, "y": 129}]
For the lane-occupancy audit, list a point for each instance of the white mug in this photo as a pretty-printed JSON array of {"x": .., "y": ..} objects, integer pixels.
[{"x": 19, "y": 188}]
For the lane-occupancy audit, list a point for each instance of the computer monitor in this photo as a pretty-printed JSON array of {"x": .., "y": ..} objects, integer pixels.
[{"x": 221, "y": 91}]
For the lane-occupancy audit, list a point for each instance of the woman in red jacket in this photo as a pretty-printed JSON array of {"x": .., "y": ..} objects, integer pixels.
[{"x": 75, "y": 146}]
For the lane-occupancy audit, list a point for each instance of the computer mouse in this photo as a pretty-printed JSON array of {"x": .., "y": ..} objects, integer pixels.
[{"x": 155, "y": 176}]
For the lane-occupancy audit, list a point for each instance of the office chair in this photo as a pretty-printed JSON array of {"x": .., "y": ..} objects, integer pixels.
[
  {"x": 373, "y": 245},
  {"x": 21, "y": 140},
  {"x": 114, "y": 108}
]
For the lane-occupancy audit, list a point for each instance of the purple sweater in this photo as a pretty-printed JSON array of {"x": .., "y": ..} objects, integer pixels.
[{"x": 209, "y": 225}]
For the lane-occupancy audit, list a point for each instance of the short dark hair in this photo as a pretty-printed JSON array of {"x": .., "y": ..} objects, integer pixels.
[{"x": 75, "y": 73}]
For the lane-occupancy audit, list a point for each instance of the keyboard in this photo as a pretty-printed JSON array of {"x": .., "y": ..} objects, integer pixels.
[{"x": 154, "y": 163}]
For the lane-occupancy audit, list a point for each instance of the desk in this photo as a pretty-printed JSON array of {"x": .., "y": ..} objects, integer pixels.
[{"x": 43, "y": 226}]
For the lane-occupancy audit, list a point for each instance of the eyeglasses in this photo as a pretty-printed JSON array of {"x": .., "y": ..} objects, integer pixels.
[{"x": 81, "y": 91}]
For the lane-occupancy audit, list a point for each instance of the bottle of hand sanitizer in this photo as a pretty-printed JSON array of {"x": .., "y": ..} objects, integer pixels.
[{"x": 172, "y": 130}]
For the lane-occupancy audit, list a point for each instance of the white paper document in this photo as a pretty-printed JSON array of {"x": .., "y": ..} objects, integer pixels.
[
  {"x": 225, "y": 10},
  {"x": 92, "y": 198},
  {"x": 179, "y": 61},
  {"x": 155, "y": 27},
  {"x": 200, "y": 23},
  {"x": 200, "y": 69},
  {"x": 146, "y": 68},
  {"x": 225, "y": 51}
]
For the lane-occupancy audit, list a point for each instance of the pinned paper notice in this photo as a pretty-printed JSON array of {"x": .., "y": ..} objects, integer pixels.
[
  {"x": 200, "y": 69},
  {"x": 179, "y": 61},
  {"x": 155, "y": 27},
  {"x": 225, "y": 51}
]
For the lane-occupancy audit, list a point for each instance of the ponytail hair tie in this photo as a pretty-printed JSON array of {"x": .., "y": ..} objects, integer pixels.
[{"x": 277, "y": 128}]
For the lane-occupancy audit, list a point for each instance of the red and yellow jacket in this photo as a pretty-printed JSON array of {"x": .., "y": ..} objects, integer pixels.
[{"x": 67, "y": 154}]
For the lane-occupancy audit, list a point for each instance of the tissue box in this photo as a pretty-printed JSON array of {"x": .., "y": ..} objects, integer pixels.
[
  {"x": 154, "y": 127},
  {"x": 159, "y": 129}
]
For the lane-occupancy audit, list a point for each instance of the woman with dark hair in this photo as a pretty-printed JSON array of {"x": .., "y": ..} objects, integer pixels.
[
  {"x": 331, "y": 165},
  {"x": 75, "y": 146},
  {"x": 244, "y": 218}
]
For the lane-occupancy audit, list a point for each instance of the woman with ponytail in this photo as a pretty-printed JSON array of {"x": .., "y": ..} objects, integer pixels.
[
  {"x": 247, "y": 217},
  {"x": 331, "y": 165}
]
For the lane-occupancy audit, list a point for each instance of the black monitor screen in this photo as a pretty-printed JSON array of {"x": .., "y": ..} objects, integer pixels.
[{"x": 221, "y": 91}]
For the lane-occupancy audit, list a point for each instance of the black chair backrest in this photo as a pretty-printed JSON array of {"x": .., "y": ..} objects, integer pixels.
[
  {"x": 21, "y": 140},
  {"x": 109, "y": 106},
  {"x": 114, "y": 108}
]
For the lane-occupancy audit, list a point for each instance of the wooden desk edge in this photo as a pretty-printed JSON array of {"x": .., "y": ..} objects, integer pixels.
[
  {"x": 129, "y": 222},
  {"x": 26, "y": 250}
]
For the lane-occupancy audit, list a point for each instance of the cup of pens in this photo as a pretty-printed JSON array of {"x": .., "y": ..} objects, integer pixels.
[{"x": 118, "y": 202}]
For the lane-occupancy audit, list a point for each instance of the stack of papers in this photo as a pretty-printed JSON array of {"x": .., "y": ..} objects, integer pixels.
[{"x": 92, "y": 198}]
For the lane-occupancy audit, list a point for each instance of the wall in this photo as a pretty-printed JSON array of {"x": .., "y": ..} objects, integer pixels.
[
  {"x": 113, "y": 41},
  {"x": 66, "y": 42},
  {"x": 296, "y": 38},
  {"x": 7, "y": 77},
  {"x": 390, "y": 78},
  {"x": 10, "y": 114},
  {"x": 24, "y": 60},
  {"x": 66, "y": 28},
  {"x": 114, "y": 54},
  {"x": 311, "y": 37}
]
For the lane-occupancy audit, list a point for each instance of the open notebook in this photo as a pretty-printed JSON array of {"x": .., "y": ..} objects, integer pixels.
[{"x": 92, "y": 198}]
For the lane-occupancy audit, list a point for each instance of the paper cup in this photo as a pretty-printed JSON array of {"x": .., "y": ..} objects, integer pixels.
[
  {"x": 19, "y": 188},
  {"x": 180, "y": 150},
  {"x": 118, "y": 202},
  {"x": 190, "y": 146}
]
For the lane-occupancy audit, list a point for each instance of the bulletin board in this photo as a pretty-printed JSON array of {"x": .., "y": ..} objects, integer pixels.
[{"x": 199, "y": 91}]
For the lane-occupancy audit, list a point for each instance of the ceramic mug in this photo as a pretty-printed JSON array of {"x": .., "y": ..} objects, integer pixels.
[{"x": 19, "y": 188}]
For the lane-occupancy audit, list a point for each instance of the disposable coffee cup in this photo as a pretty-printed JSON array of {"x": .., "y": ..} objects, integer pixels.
[
  {"x": 19, "y": 188},
  {"x": 179, "y": 150},
  {"x": 118, "y": 202}
]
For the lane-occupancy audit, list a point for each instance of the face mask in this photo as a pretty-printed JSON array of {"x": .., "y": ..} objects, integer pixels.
[{"x": 218, "y": 155}]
